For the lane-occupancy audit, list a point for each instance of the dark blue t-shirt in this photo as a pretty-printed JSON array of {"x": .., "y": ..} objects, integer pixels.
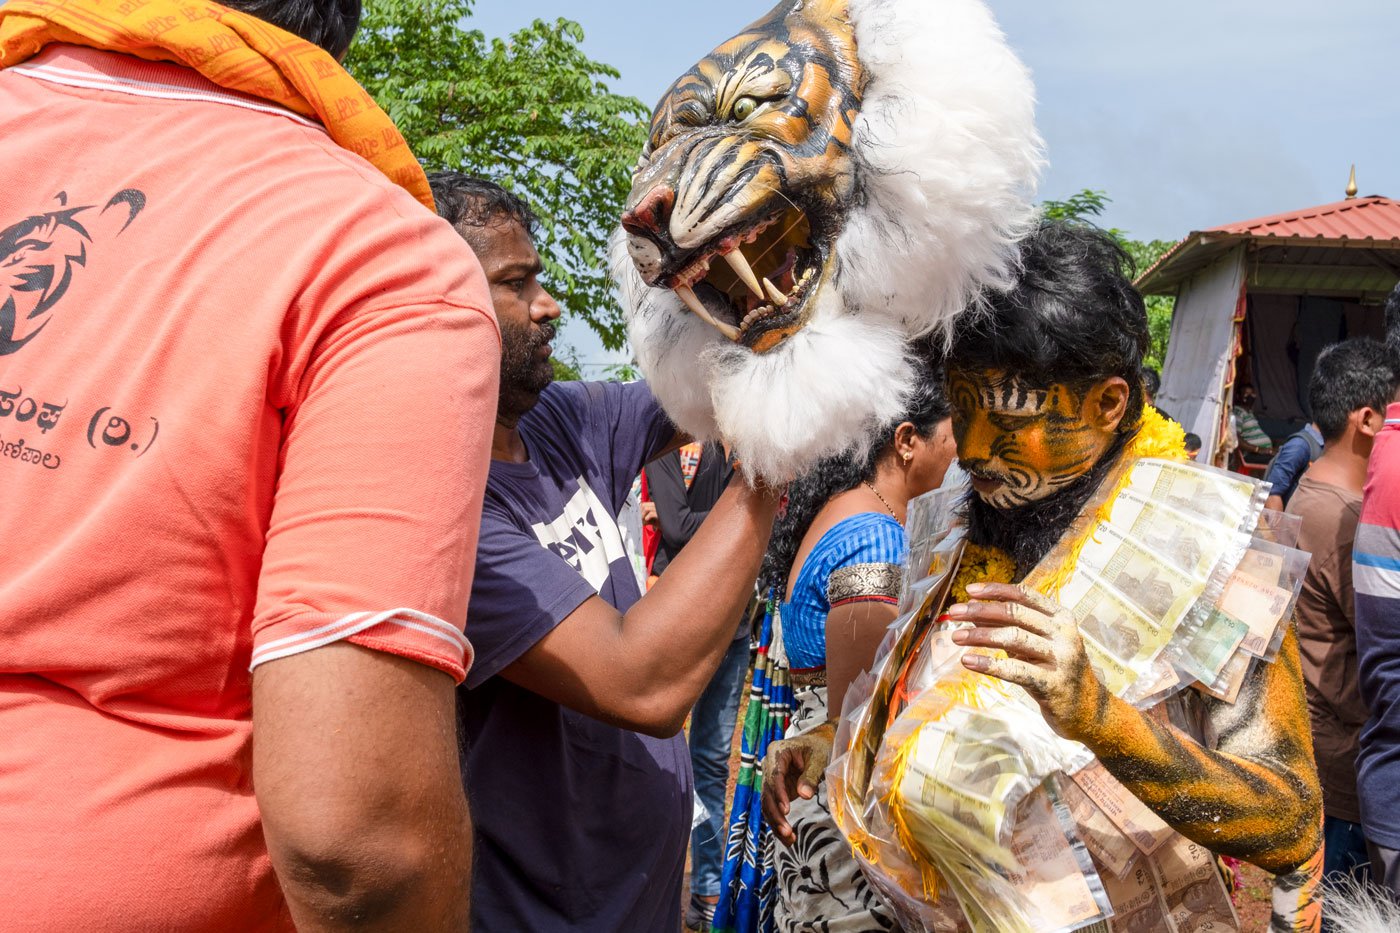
[{"x": 579, "y": 825}]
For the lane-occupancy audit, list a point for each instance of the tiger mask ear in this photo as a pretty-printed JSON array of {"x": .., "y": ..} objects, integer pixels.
[{"x": 835, "y": 180}]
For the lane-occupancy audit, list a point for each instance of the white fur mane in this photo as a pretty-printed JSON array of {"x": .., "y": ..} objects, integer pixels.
[{"x": 947, "y": 157}]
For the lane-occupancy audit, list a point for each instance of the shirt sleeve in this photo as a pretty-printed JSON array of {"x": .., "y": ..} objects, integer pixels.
[
  {"x": 869, "y": 563},
  {"x": 1289, "y": 464},
  {"x": 387, "y": 382},
  {"x": 630, "y": 429},
  {"x": 1250, "y": 430},
  {"x": 521, "y": 592},
  {"x": 1376, "y": 578},
  {"x": 1376, "y": 583}
]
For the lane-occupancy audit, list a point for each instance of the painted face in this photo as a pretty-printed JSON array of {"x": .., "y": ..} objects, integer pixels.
[{"x": 1021, "y": 443}]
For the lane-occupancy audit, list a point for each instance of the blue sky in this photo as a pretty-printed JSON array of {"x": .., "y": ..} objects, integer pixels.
[{"x": 1189, "y": 114}]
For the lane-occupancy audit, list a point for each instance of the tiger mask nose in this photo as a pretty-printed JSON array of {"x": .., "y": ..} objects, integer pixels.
[{"x": 651, "y": 216}]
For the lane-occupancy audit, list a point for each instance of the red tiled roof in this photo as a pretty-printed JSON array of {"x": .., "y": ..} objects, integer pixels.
[
  {"x": 1369, "y": 223},
  {"x": 1373, "y": 218}
]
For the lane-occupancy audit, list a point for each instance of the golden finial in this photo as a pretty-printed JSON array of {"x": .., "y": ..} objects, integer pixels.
[{"x": 1351, "y": 185}]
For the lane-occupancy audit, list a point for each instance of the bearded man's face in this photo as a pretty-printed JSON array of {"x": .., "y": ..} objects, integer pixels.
[
  {"x": 1022, "y": 442},
  {"x": 524, "y": 310}
]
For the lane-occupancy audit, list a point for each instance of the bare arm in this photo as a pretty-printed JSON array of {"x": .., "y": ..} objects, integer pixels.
[
  {"x": 356, "y": 774},
  {"x": 644, "y": 670},
  {"x": 794, "y": 767},
  {"x": 853, "y": 635},
  {"x": 1255, "y": 796}
]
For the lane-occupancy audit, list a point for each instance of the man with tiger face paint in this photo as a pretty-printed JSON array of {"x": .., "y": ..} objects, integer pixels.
[{"x": 1046, "y": 397}]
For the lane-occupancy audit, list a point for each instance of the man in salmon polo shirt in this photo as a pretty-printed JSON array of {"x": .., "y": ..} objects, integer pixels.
[{"x": 247, "y": 384}]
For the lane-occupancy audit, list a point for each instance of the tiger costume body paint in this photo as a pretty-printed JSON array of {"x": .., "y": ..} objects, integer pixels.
[{"x": 838, "y": 178}]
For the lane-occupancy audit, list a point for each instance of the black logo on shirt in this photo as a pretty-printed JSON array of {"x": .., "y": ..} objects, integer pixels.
[{"x": 38, "y": 258}]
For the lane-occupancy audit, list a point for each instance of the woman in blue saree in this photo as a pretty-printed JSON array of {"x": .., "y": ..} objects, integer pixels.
[{"x": 832, "y": 574}]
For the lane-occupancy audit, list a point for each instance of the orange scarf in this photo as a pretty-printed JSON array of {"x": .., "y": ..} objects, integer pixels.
[{"x": 235, "y": 51}]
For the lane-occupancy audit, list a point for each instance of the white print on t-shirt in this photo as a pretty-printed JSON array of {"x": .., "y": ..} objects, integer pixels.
[{"x": 585, "y": 535}]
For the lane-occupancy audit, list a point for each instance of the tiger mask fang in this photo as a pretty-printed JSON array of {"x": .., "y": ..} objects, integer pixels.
[{"x": 837, "y": 179}]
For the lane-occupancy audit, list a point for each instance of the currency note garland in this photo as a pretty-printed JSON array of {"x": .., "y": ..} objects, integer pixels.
[{"x": 961, "y": 803}]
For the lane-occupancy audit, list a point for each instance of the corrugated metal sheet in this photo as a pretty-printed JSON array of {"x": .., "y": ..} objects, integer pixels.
[
  {"x": 1371, "y": 223},
  {"x": 1373, "y": 218}
]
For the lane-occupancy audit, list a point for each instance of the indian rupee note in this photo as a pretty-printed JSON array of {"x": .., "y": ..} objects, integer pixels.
[
  {"x": 1178, "y": 538},
  {"x": 1192, "y": 888},
  {"x": 937, "y": 810},
  {"x": 1259, "y": 605},
  {"x": 1203, "y": 653},
  {"x": 1227, "y": 686},
  {"x": 1154, "y": 586},
  {"x": 1111, "y": 620},
  {"x": 1262, "y": 566},
  {"x": 1113, "y": 851},
  {"x": 1221, "y": 498},
  {"x": 1137, "y": 906},
  {"x": 1052, "y": 881},
  {"x": 1141, "y": 826}
]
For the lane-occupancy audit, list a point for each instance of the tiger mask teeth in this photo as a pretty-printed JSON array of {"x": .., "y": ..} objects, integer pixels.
[{"x": 875, "y": 161}]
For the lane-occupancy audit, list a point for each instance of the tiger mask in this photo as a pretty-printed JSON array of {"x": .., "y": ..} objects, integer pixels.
[{"x": 836, "y": 180}]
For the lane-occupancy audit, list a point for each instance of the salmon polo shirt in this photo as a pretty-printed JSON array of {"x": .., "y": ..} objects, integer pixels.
[{"x": 246, "y": 394}]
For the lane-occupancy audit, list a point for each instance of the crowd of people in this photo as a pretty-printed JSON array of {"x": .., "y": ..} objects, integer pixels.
[{"x": 280, "y": 435}]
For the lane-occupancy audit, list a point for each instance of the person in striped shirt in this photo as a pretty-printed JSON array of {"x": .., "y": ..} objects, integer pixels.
[{"x": 1376, "y": 580}]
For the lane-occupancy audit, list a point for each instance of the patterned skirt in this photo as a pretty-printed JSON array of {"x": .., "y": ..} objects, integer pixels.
[{"x": 815, "y": 886}]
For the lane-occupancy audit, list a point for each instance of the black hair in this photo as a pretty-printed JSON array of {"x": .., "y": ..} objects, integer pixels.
[
  {"x": 1392, "y": 325},
  {"x": 467, "y": 201},
  {"x": 1151, "y": 382},
  {"x": 928, "y": 407},
  {"x": 1192, "y": 442},
  {"x": 1348, "y": 376},
  {"x": 331, "y": 24},
  {"x": 1072, "y": 317}
]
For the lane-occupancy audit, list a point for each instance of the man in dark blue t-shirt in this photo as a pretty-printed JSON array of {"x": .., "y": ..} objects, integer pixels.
[{"x": 571, "y": 714}]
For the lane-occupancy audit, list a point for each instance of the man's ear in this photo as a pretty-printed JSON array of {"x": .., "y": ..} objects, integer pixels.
[
  {"x": 1368, "y": 421},
  {"x": 1106, "y": 403}
]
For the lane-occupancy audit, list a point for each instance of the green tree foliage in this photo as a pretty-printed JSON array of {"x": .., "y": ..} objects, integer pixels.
[
  {"x": 565, "y": 370},
  {"x": 531, "y": 112},
  {"x": 1087, "y": 205}
]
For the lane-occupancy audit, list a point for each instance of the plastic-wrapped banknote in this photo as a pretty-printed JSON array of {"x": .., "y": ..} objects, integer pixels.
[
  {"x": 1162, "y": 591},
  {"x": 961, "y": 790},
  {"x": 1176, "y": 537},
  {"x": 1112, "y": 626},
  {"x": 965, "y": 796},
  {"x": 1221, "y": 498},
  {"x": 1203, "y": 653},
  {"x": 1191, "y": 888}
]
